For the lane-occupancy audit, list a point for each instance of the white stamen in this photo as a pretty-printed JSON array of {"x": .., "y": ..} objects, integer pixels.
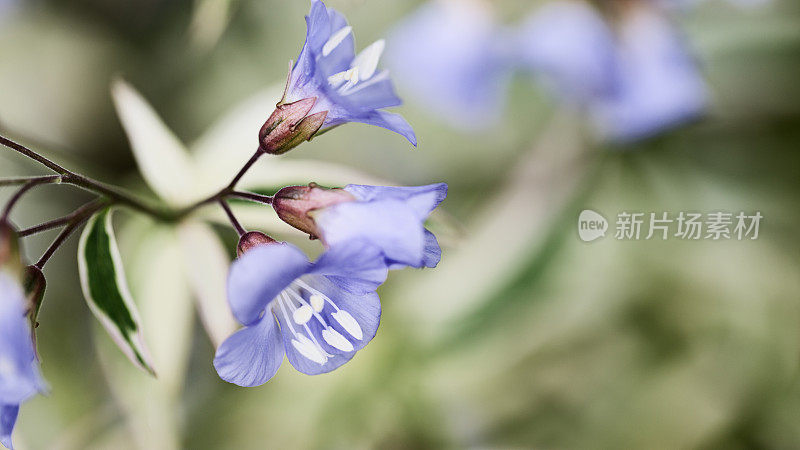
[
  {"x": 303, "y": 302},
  {"x": 335, "y": 40},
  {"x": 367, "y": 61},
  {"x": 302, "y": 315},
  {"x": 282, "y": 300},
  {"x": 317, "y": 302},
  {"x": 380, "y": 76},
  {"x": 313, "y": 291},
  {"x": 335, "y": 339},
  {"x": 350, "y": 76},
  {"x": 348, "y": 323},
  {"x": 307, "y": 348}
]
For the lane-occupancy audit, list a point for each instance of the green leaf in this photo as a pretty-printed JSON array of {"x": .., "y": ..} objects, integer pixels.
[{"x": 106, "y": 291}]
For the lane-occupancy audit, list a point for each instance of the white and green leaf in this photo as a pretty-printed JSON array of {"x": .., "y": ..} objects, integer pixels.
[
  {"x": 163, "y": 160},
  {"x": 106, "y": 290}
]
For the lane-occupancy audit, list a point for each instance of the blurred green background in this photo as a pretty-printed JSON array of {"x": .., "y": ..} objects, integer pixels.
[{"x": 524, "y": 337}]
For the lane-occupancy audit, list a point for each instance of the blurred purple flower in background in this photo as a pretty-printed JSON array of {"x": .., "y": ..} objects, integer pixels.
[
  {"x": 658, "y": 84},
  {"x": 327, "y": 310},
  {"x": 569, "y": 47},
  {"x": 682, "y": 5},
  {"x": 6, "y": 7},
  {"x": 633, "y": 74},
  {"x": 19, "y": 368},
  {"x": 453, "y": 58},
  {"x": 635, "y": 80},
  {"x": 348, "y": 86}
]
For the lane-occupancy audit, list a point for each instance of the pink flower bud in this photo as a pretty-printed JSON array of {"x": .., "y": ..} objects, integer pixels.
[
  {"x": 252, "y": 240},
  {"x": 9, "y": 248},
  {"x": 294, "y": 203},
  {"x": 289, "y": 126},
  {"x": 34, "y": 285}
]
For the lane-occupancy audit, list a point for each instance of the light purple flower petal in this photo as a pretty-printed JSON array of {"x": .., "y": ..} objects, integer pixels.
[
  {"x": 390, "y": 121},
  {"x": 433, "y": 253},
  {"x": 388, "y": 224},
  {"x": 423, "y": 199},
  {"x": 8, "y": 418},
  {"x": 252, "y": 355},
  {"x": 340, "y": 57},
  {"x": 260, "y": 275},
  {"x": 19, "y": 368},
  {"x": 389, "y": 218},
  {"x": 367, "y": 97},
  {"x": 356, "y": 266}
]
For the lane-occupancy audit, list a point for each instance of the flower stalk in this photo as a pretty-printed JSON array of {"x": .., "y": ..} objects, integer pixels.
[
  {"x": 90, "y": 207},
  {"x": 30, "y": 184},
  {"x": 75, "y": 179},
  {"x": 234, "y": 221},
  {"x": 80, "y": 217}
]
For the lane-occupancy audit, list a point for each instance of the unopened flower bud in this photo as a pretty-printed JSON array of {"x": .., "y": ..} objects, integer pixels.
[
  {"x": 294, "y": 203},
  {"x": 252, "y": 240},
  {"x": 9, "y": 248},
  {"x": 289, "y": 126},
  {"x": 34, "y": 285}
]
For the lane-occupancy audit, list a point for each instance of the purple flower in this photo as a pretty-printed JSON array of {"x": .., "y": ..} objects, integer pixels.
[
  {"x": 453, "y": 57},
  {"x": 19, "y": 367},
  {"x": 319, "y": 314},
  {"x": 7, "y": 8},
  {"x": 683, "y": 5},
  {"x": 8, "y": 418},
  {"x": 635, "y": 83},
  {"x": 658, "y": 83},
  {"x": 348, "y": 86},
  {"x": 389, "y": 218},
  {"x": 571, "y": 49}
]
